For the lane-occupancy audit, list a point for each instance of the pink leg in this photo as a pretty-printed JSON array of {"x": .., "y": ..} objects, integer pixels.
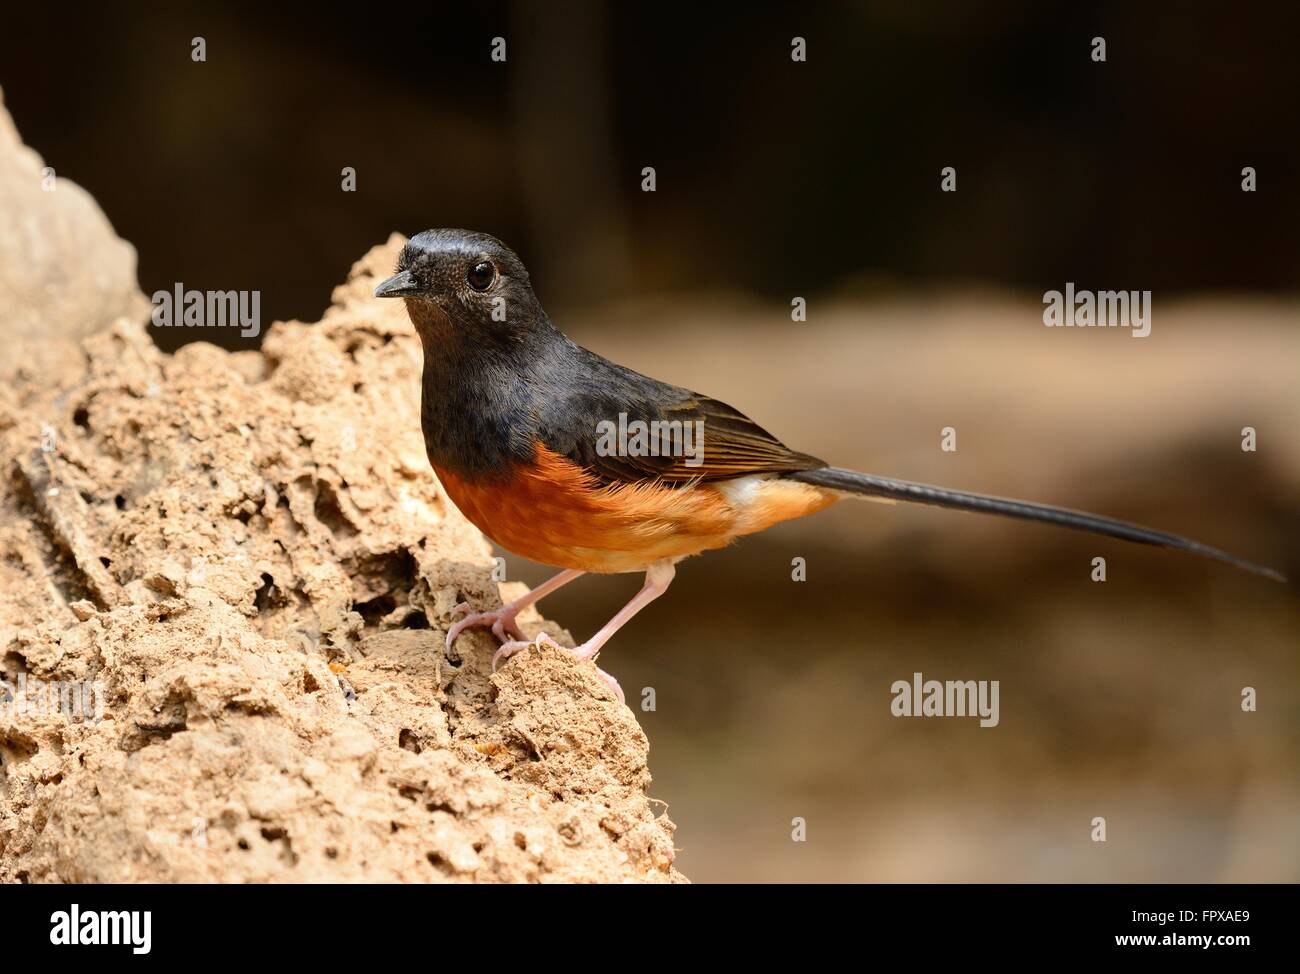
[
  {"x": 657, "y": 579},
  {"x": 502, "y": 620}
]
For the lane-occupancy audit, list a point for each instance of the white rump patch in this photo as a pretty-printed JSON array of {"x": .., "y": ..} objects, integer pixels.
[{"x": 743, "y": 491}]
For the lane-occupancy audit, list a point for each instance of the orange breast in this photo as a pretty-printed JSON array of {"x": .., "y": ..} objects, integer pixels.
[{"x": 554, "y": 512}]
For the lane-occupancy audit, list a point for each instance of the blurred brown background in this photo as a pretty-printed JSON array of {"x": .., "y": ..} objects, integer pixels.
[{"x": 821, "y": 179}]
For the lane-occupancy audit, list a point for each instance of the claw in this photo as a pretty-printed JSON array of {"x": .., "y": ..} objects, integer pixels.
[
  {"x": 509, "y": 649},
  {"x": 612, "y": 684},
  {"x": 501, "y": 621}
]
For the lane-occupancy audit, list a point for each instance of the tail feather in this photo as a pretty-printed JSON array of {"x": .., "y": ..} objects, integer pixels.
[{"x": 868, "y": 485}]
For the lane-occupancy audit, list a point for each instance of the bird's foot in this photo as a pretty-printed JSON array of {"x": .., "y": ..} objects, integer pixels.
[
  {"x": 501, "y": 621},
  {"x": 510, "y": 648}
]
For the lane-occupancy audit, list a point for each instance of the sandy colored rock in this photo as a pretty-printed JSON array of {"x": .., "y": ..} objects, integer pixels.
[
  {"x": 64, "y": 273},
  {"x": 249, "y": 558}
]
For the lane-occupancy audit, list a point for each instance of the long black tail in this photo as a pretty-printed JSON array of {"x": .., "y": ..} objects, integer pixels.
[{"x": 868, "y": 485}]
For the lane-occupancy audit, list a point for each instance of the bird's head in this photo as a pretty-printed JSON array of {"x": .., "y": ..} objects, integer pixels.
[{"x": 470, "y": 280}]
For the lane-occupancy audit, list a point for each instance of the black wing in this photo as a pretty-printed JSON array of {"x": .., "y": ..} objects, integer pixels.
[{"x": 697, "y": 438}]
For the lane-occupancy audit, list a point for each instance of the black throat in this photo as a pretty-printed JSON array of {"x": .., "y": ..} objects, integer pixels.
[{"x": 477, "y": 400}]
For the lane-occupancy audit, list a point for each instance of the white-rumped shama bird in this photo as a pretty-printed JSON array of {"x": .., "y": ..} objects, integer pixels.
[{"x": 511, "y": 411}]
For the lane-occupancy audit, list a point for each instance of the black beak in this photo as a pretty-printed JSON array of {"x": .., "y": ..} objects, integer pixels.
[{"x": 400, "y": 285}]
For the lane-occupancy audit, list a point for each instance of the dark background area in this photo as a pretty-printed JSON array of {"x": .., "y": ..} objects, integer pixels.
[{"x": 774, "y": 177}]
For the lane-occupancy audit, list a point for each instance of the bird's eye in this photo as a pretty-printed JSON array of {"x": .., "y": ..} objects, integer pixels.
[{"x": 481, "y": 275}]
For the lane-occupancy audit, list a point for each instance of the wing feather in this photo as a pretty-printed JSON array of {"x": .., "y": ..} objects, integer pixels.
[{"x": 600, "y": 396}]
